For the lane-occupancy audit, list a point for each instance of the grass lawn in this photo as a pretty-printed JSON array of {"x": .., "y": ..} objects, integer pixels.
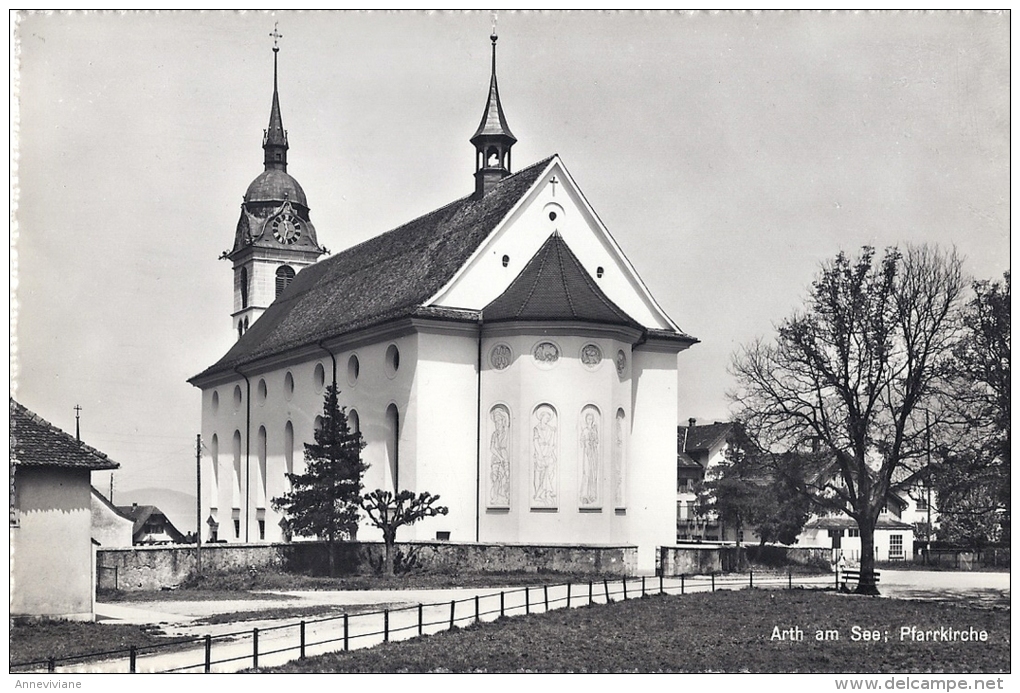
[
  {"x": 37, "y": 641},
  {"x": 720, "y": 632}
]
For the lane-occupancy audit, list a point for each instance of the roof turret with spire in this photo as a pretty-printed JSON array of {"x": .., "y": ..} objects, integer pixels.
[{"x": 493, "y": 138}]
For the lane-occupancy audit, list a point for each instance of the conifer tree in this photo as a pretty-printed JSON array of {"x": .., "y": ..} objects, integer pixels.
[{"x": 325, "y": 500}]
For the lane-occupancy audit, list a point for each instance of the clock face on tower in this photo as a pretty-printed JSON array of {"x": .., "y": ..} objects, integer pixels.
[{"x": 287, "y": 228}]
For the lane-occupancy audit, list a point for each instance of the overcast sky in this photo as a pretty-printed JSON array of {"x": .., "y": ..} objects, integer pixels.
[{"x": 727, "y": 153}]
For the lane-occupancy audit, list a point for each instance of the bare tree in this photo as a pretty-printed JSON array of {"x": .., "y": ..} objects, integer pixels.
[
  {"x": 390, "y": 512},
  {"x": 853, "y": 374}
]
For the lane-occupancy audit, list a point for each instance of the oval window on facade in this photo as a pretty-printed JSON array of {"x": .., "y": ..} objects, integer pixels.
[
  {"x": 353, "y": 370},
  {"x": 288, "y": 386},
  {"x": 319, "y": 377},
  {"x": 392, "y": 360}
]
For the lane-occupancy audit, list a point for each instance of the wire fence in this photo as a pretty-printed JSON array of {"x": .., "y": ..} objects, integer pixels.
[{"x": 274, "y": 645}]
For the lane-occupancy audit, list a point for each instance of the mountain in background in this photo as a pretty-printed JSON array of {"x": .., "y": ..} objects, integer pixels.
[{"x": 179, "y": 507}]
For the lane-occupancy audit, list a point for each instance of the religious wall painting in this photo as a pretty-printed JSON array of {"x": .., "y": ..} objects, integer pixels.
[
  {"x": 618, "y": 461},
  {"x": 499, "y": 457},
  {"x": 500, "y": 357},
  {"x": 591, "y": 356},
  {"x": 621, "y": 363},
  {"x": 590, "y": 492},
  {"x": 546, "y": 354},
  {"x": 544, "y": 457}
]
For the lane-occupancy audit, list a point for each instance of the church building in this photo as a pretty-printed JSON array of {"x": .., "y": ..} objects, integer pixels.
[{"x": 500, "y": 351}]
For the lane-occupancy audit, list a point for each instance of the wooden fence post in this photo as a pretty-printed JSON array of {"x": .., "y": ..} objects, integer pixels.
[
  {"x": 568, "y": 595},
  {"x": 421, "y": 616},
  {"x": 502, "y": 611},
  {"x": 208, "y": 653},
  {"x": 386, "y": 625},
  {"x": 255, "y": 647},
  {"x": 302, "y": 655},
  {"x": 545, "y": 592},
  {"x": 453, "y": 606},
  {"x": 133, "y": 659},
  {"x": 347, "y": 634}
]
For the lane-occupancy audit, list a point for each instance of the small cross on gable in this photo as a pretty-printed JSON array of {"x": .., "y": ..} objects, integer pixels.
[{"x": 554, "y": 182}]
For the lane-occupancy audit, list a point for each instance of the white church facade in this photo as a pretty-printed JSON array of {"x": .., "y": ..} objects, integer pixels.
[{"x": 501, "y": 352}]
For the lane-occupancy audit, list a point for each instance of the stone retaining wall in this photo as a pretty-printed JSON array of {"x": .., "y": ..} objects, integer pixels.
[
  {"x": 158, "y": 567},
  {"x": 704, "y": 559}
]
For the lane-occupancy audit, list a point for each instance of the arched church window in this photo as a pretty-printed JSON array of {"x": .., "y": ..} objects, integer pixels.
[
  {"x": 393, "y": 445},
  {"x": 243, "y": 285},
  {"x": 262, "y": 453},
  {"x": 284, "y": 276},
  {"x": 492, "y": 157},
  {"x": 288, "y": 452}
]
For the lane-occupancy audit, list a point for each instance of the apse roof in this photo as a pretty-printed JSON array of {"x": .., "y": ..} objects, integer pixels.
[{"x": 554, "y": 286}]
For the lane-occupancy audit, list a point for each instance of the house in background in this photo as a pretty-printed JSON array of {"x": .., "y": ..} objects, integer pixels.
[
  {"x": 110, "y": 527},
  {"x": 52, "y": 556},
  {"x": 151, "y": 525},
  {"x": 700, "y": 448}
]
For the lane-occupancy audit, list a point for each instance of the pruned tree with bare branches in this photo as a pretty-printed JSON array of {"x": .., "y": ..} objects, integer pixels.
[
  {"x": 389, "y": 512},
  {"x": 853, "y": 374}
]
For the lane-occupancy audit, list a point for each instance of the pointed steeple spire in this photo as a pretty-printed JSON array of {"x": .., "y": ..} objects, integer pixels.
[
  {"x": 493, "y": 138},
  {"x": 274, "y": 142}
]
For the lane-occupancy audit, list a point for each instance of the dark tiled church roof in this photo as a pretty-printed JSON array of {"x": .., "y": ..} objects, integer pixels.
[
  {"x": 385, "y": 278},
  {"x": 554, "y": 286},
  {"x": 36, "y": 442}
]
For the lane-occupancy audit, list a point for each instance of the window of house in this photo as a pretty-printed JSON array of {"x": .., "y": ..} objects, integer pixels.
[
  {"x": 853, "y": 533},
  {"x": 895, "y": 546},
  {"x": 237, "y": 529},
  {"x": 262, "y": 530}
]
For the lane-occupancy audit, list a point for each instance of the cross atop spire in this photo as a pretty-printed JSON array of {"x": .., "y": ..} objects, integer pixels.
[{"x": 275, "y": 33}]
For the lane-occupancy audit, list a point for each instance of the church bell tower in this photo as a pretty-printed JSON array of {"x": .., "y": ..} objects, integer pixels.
[
  {"x": 493, "y": 138},
  {"x": 274, "y": 238}
]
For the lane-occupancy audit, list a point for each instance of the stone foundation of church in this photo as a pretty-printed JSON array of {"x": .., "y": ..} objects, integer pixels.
[{"x": 160, "y": 567}]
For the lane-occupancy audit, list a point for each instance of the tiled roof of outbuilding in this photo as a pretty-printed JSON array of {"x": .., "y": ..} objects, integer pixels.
[
  {"x": 703, "y": 437},
  {"x": 554, "y": 286},
  {"x": 384, "y": 278},
  {"x": 36, "y": 442}
]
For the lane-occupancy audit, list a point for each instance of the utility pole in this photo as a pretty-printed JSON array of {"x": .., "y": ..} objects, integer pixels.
[
  {"x": 927, "y": 532},
  {"x": 198, "y": 503}
]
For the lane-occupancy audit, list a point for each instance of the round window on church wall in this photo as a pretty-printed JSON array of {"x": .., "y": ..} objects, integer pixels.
[
  {"x": 319, "y": 377},
  {"x": 237, "y": 397},
  {"x": 392, "y": 360},
  {"x": 353, "y": 370},
  {"x": 263, "y": 391},
  {"x": 288, "y": 386}
]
